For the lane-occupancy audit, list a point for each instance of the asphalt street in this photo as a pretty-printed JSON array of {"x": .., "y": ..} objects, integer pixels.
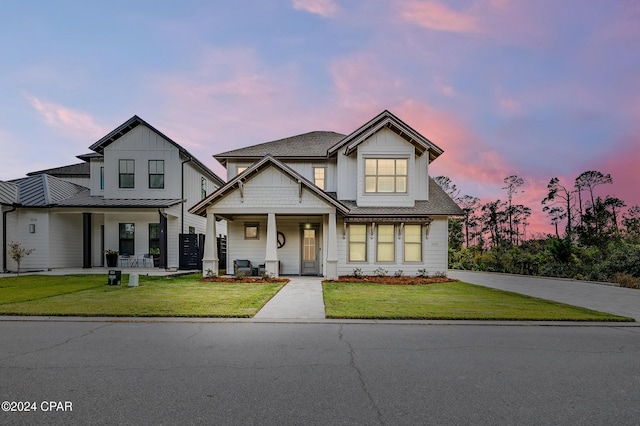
[{"x": 203, "y": 372}]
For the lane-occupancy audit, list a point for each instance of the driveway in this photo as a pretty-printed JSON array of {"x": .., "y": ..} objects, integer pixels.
[{"x": 601, "y": 297}]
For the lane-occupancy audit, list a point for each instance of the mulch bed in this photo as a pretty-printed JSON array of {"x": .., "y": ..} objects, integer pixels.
[
  {"x": 393, "y": 280},
  {"x": 243, "y": 280}
]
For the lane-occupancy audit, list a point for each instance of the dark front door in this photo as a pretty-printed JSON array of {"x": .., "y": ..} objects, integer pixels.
[
  {"x": 189, "y": 252},
  {"x": 309, "y": 251}
]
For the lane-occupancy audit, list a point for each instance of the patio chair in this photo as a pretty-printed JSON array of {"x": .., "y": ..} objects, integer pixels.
[
  {"x": 242, "y": 265},
  {"x": 147, "y": 260}
]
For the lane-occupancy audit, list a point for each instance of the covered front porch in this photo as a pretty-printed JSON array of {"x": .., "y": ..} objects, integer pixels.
[{"x": 276, "y": 244}]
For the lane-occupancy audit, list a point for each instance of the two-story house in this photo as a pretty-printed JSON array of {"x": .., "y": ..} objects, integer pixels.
[
  {"x": 323, "y": 203},
  {"x": 130, "y": 194}
]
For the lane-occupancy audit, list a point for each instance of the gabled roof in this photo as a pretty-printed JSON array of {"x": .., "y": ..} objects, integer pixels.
[
  {"x": 252, "y": 171},
  {"x": 131, "y": 124},
  {"x": 81, "y": 169},
  {"x": 89, "y": 156},
  {"x": 44, "y": 190},
  {"x": 387, "y": 120},
  {"x": 8, "y": 193},
  {"x": 312, "y": 145}
]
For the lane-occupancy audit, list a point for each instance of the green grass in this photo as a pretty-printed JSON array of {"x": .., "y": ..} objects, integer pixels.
[
  {"x": 450, "y": 301},
  {"x": 88, "y": 295}
]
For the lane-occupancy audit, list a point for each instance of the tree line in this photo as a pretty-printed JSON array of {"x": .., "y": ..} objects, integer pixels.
[{"x": 594, "y": 238}]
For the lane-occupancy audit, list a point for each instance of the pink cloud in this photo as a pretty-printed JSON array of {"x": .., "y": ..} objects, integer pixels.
[
  {"x": 320, "y": 7},
  {"x": 436, "y": 16},
  {"x": 76, "y": 124}
]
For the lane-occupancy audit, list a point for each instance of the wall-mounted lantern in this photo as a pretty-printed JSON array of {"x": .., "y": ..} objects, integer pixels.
[{"x": 32, "y": 228}]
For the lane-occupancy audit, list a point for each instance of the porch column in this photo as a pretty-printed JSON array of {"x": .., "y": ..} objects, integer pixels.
[
  {"x": 210, "y": 258},
  {"x": 271, "y": 263},
  {"x": 86, "y": 240},
  {"x": 332, "y": 249}
]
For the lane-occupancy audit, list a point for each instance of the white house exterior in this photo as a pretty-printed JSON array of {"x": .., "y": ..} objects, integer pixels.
[
  {"x": 327, "y": 204},
  {"x": 130, "y": 194}
]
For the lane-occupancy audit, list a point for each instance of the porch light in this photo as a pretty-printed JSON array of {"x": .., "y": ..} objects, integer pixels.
[{"x": 32, "y": 228}]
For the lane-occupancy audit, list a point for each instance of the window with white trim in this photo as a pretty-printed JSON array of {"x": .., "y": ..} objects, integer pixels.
[
  {"x": 251, "y": 231},
  {"x": 357, "y": 243},
  {"x": 413, "y": 243},
  {"x": 156, "y": 174},
  {"x": 319, "y": 177},
  {"x": 386, "y": 243},
  {"x": 126, "y": 172},
  {"x": 385, "y": 175}
]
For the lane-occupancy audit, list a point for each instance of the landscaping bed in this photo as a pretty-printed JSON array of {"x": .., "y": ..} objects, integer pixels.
[
  {"x": 393, "y": 280},
  {"x": 244, "y": 280}
]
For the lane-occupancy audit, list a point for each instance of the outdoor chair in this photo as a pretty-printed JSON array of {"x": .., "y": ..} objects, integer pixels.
[
  {"x": 147, "y": 260},
  {"x": 242, "y": 265}
]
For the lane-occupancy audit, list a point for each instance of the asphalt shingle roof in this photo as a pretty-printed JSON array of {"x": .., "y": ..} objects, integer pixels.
[
  {"x": 439, "y": 203},
  {"x": 81, "y": 169},
  {"x": 312, "y": 144}
]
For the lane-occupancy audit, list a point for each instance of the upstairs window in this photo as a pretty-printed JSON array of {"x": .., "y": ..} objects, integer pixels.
[
  {"x": 156, "y": 174},
  {"x": 319, "y": 177},
  {"x": 126, "y": 169},
  {"x": 101, "y": 177},
  {"x": 241, "y": 169},
  {"x": 385, "y": 175}
]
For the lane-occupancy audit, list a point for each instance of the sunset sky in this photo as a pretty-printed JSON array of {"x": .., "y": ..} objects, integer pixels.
[{"x": 535, "y": 88}]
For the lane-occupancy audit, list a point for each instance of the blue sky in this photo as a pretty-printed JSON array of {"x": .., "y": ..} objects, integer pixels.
[{"x": 538, "y": 89}]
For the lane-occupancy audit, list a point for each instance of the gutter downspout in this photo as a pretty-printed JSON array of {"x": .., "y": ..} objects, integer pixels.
[
  {"x": 182, "y": 194},
  {"x": 4, "y": 238}
]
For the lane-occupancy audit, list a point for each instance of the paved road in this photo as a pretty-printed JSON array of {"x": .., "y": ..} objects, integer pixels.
[
  {"x": 605, "y": 298},
  {"x": 203, "y": 372}
]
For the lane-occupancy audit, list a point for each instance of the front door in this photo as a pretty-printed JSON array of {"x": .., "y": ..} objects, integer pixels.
[{"x": 309, "y": 251}]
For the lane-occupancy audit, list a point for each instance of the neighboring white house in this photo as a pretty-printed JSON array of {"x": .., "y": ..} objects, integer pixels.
[
  {"x": 323, "y": 203},
  {"x": 128, "y": 194}
]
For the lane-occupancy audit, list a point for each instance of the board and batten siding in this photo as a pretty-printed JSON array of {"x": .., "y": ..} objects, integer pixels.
[
  {"x": 65, "y": 240},
  {"x": 18, "y": 230},
  {"x": 141, "y": 145}
]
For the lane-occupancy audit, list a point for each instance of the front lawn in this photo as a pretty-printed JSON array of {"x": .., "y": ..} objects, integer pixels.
[
  {"x": 88, "y": 295},
  {"x": 450, "y": 301}
]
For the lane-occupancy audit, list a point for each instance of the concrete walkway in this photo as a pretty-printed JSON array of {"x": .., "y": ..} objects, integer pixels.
[
  {"x": 600, "y": 297},
  {"x": 301, "y": 298}
]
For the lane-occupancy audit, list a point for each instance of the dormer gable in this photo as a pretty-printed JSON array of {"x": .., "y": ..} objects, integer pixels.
[{"x": 386, "y": 119}]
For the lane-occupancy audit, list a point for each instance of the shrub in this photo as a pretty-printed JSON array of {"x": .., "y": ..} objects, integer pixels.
[
  {"x": 398, "y": 273},
  {"x": 626, "y": 280},
  {"x": 17, "y": 252},
  {"x": 380, "y": 272},
  {"x": 357, "y": 273},
  {"x": 423, "y": 273}
]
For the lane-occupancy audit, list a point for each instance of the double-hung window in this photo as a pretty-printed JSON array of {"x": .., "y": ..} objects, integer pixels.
[
  {"x": 126, "y": 170},
  {"x": 386, "y": 251},
  {"x": 412, "y": 243},
  {"x": 156, "y": 174},
  {"x": 319, "y": 177},
  {"x": 357, "y": 243},
  {"x": 385, "y": 175}
]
